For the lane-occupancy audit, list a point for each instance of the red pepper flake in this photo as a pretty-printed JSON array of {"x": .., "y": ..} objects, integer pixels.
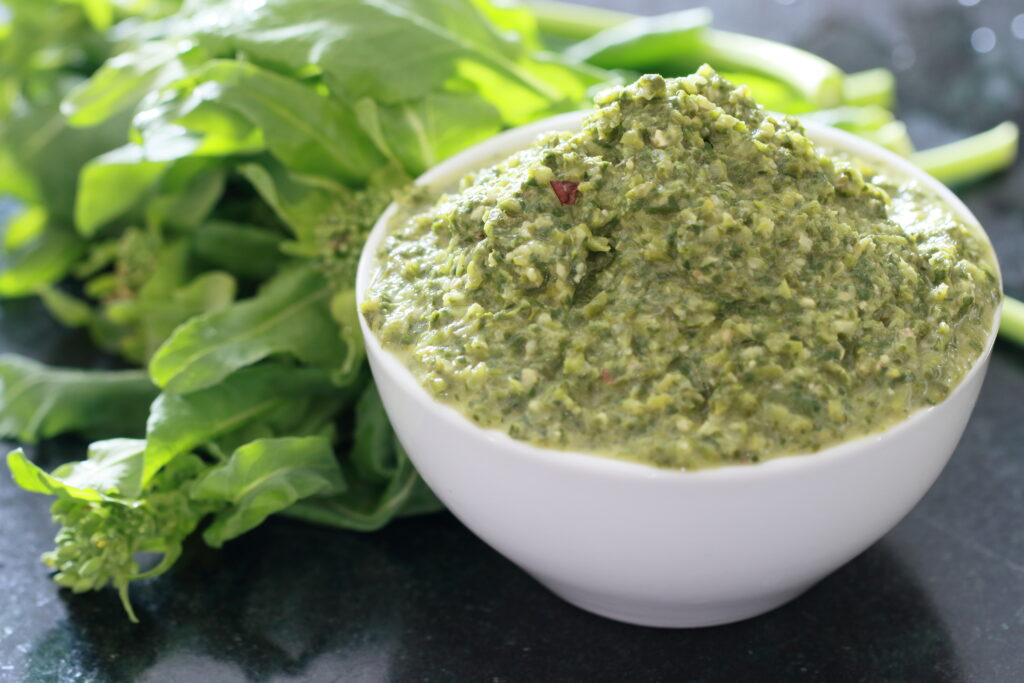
[
  {"x": 606, "y": 376},
  {"x": 565, "y": 190}
]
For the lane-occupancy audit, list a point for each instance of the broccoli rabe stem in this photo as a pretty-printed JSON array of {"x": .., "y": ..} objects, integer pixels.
[
  {"x": 575, "y": 21},
  {"x": 872, "y": 87},
  {"x": 971, "y": 158},
  {"x": 1011, "y": 326}
]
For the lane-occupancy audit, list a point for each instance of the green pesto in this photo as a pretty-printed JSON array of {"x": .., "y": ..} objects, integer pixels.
[{"x": 721, "y": 292}]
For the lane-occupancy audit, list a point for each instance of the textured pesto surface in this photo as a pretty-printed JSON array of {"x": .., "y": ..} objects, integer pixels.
[{"x": 721, "y": 292}]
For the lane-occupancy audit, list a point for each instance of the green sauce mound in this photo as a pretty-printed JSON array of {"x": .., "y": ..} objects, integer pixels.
[{"x": 718, "y": 292}]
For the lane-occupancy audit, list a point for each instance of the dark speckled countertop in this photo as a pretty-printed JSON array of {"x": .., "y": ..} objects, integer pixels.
[{"x": 940, "y": 598}]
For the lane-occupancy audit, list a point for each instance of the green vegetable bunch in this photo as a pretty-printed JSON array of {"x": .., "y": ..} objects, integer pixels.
[
  {"x": 198, "y": 204},
  {"x": 192, "y": 183}
]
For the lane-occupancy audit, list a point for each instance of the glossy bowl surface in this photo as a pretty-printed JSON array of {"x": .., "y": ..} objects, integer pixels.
[{"x": 658, "y": 547}]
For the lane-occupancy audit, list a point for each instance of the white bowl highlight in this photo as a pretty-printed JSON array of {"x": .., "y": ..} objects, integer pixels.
[{"x": 659, "y": 547}]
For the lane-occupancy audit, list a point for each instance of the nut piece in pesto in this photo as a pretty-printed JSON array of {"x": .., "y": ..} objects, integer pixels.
[{"x": 718, "y": 291}]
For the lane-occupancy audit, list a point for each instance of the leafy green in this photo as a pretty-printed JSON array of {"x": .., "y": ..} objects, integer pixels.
[
  {"x": 122, "y": 81},
  {"x": 179, "y": 423},
  {"x": 42, "y": 41},
  {"x": 263, "y": 477},
  {"x": 46, "y": 259},
  {"x": 186, "y": 195},
  {"x": 244, "y": 250},
  {"x": 382, "y": 482},
  {"x": 417, "y": 135},
  {"x": 440, "y": 41},
  {"x": 38, "y": 401},
  {"x": 677, "y": 43},
  {"x": 565, "y": 20},
  {"x": 113, "y": 466},
  {"x": 151, "y": 291},
  {"x": 46, "y": 154},
  {"x": 328, "y": 219},
  {"x": 289, "y": 316},
  {"x": 125, "y": 169},
  {"x": 306, "y": 131},
  {"x": 68, "y": 310}
]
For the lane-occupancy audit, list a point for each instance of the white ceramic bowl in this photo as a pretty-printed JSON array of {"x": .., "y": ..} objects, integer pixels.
[{"x": 653, "y": 546}]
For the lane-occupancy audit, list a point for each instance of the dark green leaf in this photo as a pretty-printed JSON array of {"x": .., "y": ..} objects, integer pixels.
[
  {"x": 151, "y": 292},
  {"x": 69, "y": 310},
  {"x": 112, "y": 184},
  {"x": 188, "y": 192},
  {"x": 364, "y": 507},
  {"x": 307, "y": 131},
  {"x": 32, "y": 478},
  {"x": 382, "y": 482},
  {"x": 419, "y": 134},
  {"x": 112, "y": 467},
  {"x": 264, "y": 477},
  {"x": 43, "y": 261},
  {"x": 373, "y": 451},
  {"x": 101, "y": 534},
  {"x": 37, "y": 401},
  {"x": 343, "y": 38},
  {"x": 247, "y": 251},
  {"x": 184, "y": 123},
  {"x": 305, "y": 204},
  {"x": 121, "y": 82},
  {"x": 289, "y": 316},
  {"x": 178, "y": 423},
  {"x": 50, "y": 153}
]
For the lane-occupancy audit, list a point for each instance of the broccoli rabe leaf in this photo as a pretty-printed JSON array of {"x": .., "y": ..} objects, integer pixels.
[
  {"x": 290, "y": 315},
  {"x": 244, "y": 250},
  {"x": 38, "y": 401},
  {"x": 264, "y": 477},
  {"x": 68, "y": 309},
  {"x": 419, "y": 134},
  {"x": 151, "y": 291},
  {"x": 382, "y": 482},
  {"x": 122, "y": 81},
  {"x": 179, "y": 423},
  {"x": 111, "y": 468},
  {"x": 113, "y": 183},
  {"x": 306, "y": 131},
  {"x": 441, "y": 41},
  {"x": 43, "y": 261},
  {"x": 50, "y": 153}
]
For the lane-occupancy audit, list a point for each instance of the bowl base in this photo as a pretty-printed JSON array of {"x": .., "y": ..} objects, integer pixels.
[{"x": 667, "y": 614}]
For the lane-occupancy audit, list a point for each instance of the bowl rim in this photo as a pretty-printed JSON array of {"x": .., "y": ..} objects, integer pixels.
[{"x": 498, "y": 147}]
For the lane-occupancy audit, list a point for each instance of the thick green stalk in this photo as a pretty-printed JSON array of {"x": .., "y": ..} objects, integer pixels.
[
  {"x": 642, "y": 42},
  {"x": 971, "y": 158},
  {"x": 1011, "y": 326},
  {"x": 872, "y": 87},
  {"x": 815, "y": 79},
  {"x": 567, "y": 20}
]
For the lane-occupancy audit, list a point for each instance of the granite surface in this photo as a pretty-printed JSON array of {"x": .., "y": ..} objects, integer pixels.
[{"x": 940, "y": 598}]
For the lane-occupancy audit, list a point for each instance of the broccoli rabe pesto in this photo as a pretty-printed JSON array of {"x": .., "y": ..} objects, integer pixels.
[{"x": 699, "y": 286}]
